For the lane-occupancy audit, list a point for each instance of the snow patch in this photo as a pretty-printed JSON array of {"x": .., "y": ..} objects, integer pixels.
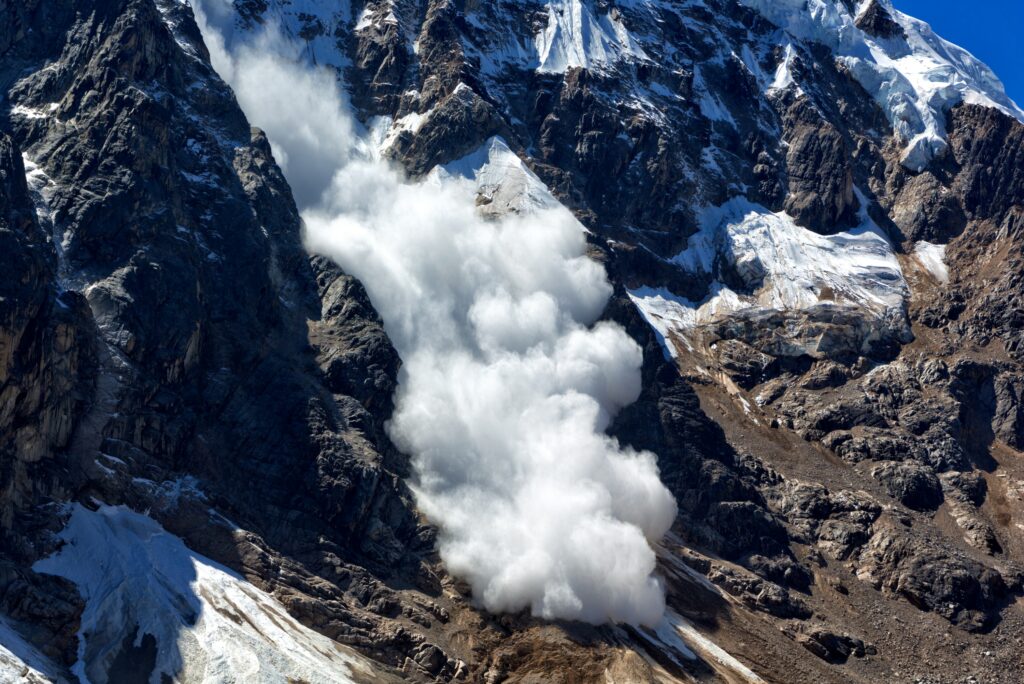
[
  {"x": 206, "y": 623},
  {"x": 782, "y": 267},
  {"x": 783, "y": 77},
  {"x": 41, "y": 189},
  {"x": 503, "y": 182},
  {"x": 576, "y": 36},
  {"x": 933, "y": 258},
  {"x": 710, "y": 106},
  {"x": 384, "y": 132},
  {"x": 666, "y": 313},
  {"x": 709, "y": 649}
]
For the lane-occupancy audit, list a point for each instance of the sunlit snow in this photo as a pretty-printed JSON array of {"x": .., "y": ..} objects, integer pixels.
[
  {"x": 933, "y": 258},
  {"x": 782, "y": 265},
  {"x": 915, "y": 80},
  {"x": 576, "y": 36},
  {"x": 503, "y": 182},
  {"x": 205, "y": 622}
]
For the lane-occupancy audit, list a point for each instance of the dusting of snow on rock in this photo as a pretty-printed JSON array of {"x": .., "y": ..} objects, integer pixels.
[
  {"x": 503, "y": 183},
  {"x": 22, "y": 663},
  {"x": 933, "y": 258},
  {"x": 915, "y": 78},
  {"x": 204, "y": 622},
  {"x": 577, "y": 36}
]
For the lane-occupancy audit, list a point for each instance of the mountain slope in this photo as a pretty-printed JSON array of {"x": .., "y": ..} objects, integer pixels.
[{"x": 810, "y": 214}]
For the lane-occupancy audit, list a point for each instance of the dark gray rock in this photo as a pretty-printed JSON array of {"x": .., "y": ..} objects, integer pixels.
[
  {"x": 829, "y": 646},
  {"x": 876, "y": 20},
  {"x": 820, "y": 172},
  {"x": 914, "y": 485}
]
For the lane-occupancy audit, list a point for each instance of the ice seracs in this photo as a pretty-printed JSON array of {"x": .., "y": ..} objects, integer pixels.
[{"x": 148, "y": 595}]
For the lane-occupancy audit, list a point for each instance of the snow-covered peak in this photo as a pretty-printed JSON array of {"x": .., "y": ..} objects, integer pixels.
[
  {"x": 577, "y": 36},
  {"x": 915, "y": 77}
]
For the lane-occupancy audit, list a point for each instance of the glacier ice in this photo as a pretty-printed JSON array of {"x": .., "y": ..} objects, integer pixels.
[{"x": 783, "y": 267}]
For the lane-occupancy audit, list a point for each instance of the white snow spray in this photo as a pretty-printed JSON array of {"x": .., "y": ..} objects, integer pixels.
[{"x": 508, "y": 385}]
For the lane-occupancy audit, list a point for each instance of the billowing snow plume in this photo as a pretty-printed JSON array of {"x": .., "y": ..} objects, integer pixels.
[{"x": 507, "y": 385}]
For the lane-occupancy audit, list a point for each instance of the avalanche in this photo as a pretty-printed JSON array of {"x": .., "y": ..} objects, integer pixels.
[{"x": 508, "y": 382}]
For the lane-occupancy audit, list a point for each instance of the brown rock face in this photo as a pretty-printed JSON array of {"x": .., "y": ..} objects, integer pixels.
[
  {"x": 988, "y": 148},
  {"x": 820, "y": 172},
  {"x": 876, "y": 20}
]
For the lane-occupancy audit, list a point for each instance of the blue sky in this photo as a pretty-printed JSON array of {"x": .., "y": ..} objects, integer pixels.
[{"x": 989, "y": 29}]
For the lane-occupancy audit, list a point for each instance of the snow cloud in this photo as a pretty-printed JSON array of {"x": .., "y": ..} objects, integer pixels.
[{"x": 508, "y": 384}]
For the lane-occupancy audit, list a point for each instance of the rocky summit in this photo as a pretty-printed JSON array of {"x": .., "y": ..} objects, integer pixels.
[{"x": 568, "y": 341}]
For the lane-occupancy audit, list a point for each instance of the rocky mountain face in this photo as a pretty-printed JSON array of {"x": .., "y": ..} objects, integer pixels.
[{"x": 813, "y": 217}]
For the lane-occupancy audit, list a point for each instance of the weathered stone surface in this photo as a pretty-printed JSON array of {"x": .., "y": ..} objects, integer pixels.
[
  {"x": 820, "y": 171},
  {"x": 961, "y": 590},
  {"x": 927, "y": 210},
  {"x": 912, "y": 484},
  {"x": 830, "y": 647},
  {"x": 875, "y": 19}
]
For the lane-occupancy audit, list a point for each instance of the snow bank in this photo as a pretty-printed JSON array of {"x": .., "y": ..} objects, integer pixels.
[
  {"x": 709, "y": 649},
  {"x": 915, "y": 80},
  {"x": 205, "y": 622}
]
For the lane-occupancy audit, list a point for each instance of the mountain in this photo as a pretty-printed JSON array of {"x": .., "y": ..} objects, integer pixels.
[{"x": 510, "y": 341}]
